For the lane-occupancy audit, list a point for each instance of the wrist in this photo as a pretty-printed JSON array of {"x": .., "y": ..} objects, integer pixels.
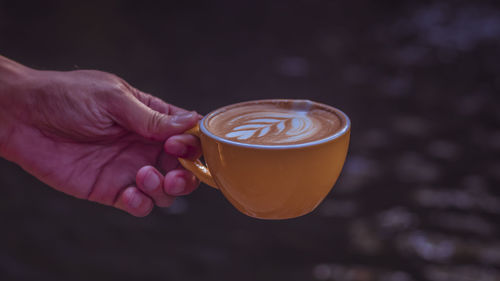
[{"x": 14, "y": 81}]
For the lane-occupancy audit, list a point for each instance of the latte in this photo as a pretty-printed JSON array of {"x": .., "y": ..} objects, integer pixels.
[{"x": 275, "y": 122}]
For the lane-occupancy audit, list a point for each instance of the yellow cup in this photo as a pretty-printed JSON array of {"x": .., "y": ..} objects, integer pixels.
[{"x": 269, "y": 181}]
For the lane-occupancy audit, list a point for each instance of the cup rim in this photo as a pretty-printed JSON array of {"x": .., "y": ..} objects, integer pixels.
[{"x": 345, "y": 128}]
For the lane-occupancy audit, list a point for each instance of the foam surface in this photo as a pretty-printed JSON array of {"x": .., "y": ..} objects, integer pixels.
[{"x": 274, "y": 123}]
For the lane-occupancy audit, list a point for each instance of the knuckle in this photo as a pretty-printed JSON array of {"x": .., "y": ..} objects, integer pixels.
[
  {"x": 97, "y": 75},
  {"x": 113, "y": 94},
  {"x": 116, "y": 89},
  {"x": 155, "y": 121}
]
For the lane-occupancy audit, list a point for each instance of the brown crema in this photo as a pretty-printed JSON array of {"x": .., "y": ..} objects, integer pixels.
[{"x": 275, "y": 122}]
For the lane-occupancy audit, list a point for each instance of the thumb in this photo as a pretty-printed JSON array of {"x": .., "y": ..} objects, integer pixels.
[{"x": 137, "y": 117}]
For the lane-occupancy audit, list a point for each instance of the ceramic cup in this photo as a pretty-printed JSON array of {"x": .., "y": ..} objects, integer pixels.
[{"x": 271, "y": 181}]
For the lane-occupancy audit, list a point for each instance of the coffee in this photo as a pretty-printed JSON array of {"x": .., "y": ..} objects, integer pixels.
[
  {"x": 275, "y": 122},
  {"x": 272, "y": 159}
]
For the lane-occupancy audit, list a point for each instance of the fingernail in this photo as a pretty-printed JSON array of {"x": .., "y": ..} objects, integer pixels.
[
  {"x": 183, "y": 118},
  {"x": 135, "y": 202},
  {"x": 179, "y": 186},
  {"x": 151, "y": 181}
]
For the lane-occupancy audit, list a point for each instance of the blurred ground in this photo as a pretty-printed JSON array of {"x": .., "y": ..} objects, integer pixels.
[{"x": 418, "y": 198}]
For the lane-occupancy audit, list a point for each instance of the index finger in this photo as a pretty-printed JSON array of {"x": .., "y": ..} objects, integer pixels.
[{"x": 159, "y": 105}]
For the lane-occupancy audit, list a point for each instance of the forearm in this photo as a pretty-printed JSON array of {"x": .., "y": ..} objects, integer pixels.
[{"x": 13, "y": 78}]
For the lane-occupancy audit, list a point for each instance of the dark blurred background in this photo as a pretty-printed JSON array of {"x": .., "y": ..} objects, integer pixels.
[{"x": 418, "y": 197}]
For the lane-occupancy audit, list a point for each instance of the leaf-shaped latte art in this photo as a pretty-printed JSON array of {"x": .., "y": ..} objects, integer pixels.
[{"x": 274, "y": 127}]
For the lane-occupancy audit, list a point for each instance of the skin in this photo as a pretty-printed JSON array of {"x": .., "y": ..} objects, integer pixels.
[{"x": 91, "y": 135}]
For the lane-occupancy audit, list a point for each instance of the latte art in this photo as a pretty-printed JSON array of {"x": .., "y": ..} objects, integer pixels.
[
  {"x": 274, "y": 127},
  {"x": 274, "y": 123}
]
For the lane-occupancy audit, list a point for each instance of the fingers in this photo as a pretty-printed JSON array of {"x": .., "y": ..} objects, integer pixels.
[
  {"x": 134, "y": 202},
  {"x": 180, "y": 182},
  {"x": 184, "y": 146},
  {"x": 160, "y": 190},
  {"x": 139, "y": 118},
  {"x": 150, "y": 181},
  {"x": 158, "y": 104}
]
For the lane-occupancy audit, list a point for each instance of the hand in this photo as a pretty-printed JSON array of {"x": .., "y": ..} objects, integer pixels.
[{"x": 92, "y": 135}]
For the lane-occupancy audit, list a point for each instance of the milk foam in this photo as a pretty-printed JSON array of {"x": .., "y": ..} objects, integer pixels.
[
  {"x": 272, "y": 124},
  {"x": 291, "y": 126}
]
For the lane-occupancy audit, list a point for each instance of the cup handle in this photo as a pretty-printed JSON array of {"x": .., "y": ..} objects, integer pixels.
[{"x": 197, "y": 167}]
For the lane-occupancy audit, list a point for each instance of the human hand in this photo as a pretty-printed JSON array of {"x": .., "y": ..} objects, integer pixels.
[{"x": 92, "y": 135}]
